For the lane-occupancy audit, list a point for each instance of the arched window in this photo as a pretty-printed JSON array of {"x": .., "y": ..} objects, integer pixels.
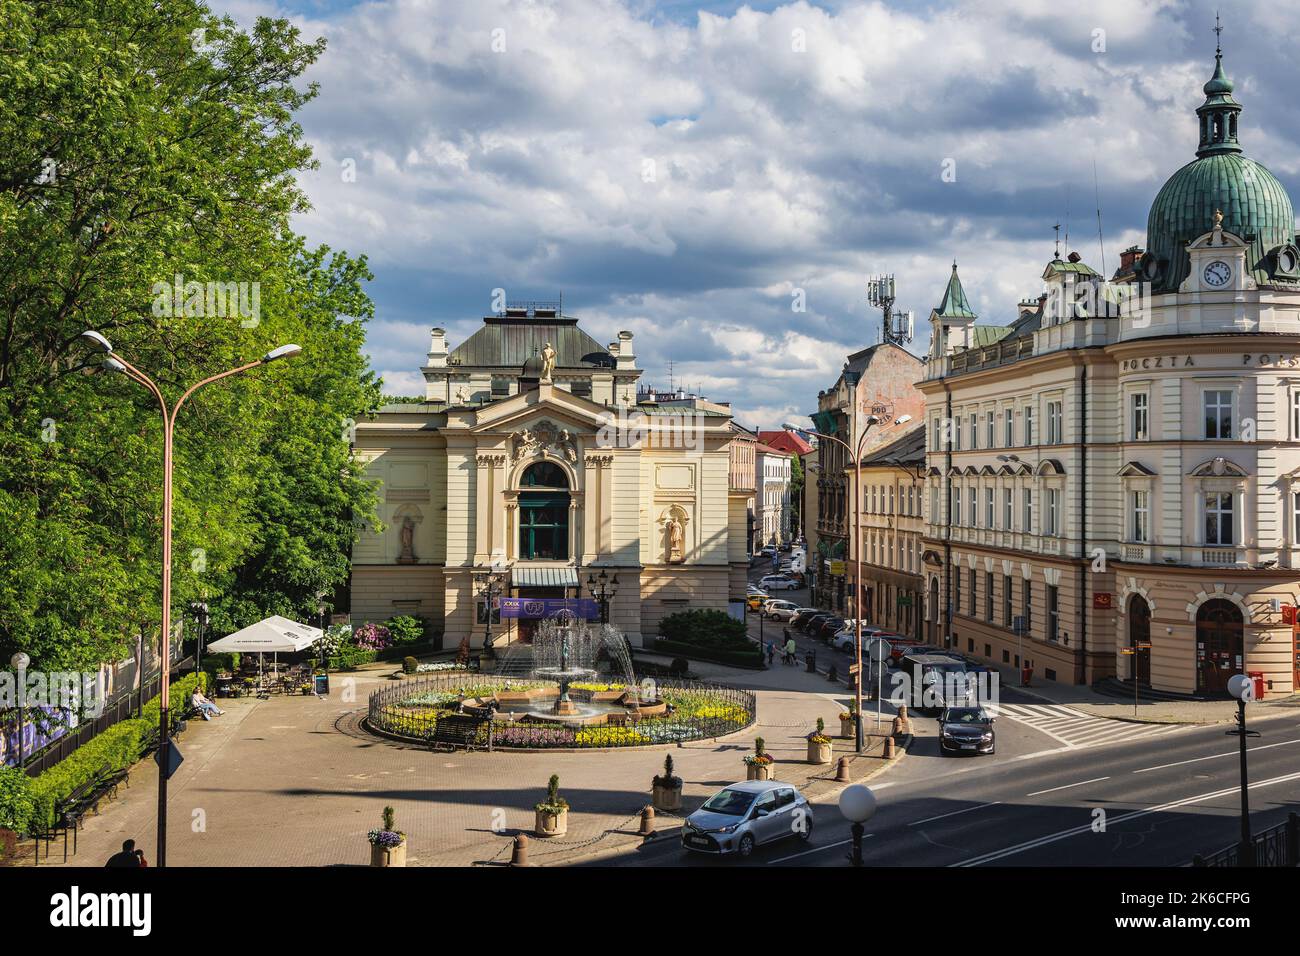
[{"x": 544, "y": 515}]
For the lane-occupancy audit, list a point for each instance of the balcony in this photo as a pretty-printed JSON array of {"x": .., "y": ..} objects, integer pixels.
[{"x": 1221, "y": 557}]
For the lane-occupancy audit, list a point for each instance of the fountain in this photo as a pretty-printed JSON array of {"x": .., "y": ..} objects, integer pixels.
[{"x": 564, "y": 675}]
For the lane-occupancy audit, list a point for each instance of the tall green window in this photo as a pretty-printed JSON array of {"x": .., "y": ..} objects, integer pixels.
[{"x": 544, "y": 515}]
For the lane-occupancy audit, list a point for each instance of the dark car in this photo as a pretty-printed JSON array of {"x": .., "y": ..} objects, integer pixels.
[
  {"x": 804, "y": 615},
  {"x": 814, "y": 623},
  {"x": 828, "y": 628},
  {"x": 966, "y": 730}
]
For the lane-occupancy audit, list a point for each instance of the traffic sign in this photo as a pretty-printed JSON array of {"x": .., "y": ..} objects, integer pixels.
[
  {"x": 174, "y": 758},
  {"x": 853, "y": 668},
  {"x": 879, "y": 650}
]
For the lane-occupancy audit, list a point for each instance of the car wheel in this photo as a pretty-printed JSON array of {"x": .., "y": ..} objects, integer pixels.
[
  {"x": 806, "y": 833},
  {"x": 746, "y": 846}
]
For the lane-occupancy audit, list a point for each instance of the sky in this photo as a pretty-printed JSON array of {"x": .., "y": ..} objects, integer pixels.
[{"x": 721, "y": 179}]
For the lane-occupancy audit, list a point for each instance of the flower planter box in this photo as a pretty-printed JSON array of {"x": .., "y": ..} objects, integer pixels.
[
  {"x": 550, "y": 824},
  {"x": 668, "y": 799},
  {"x": 819, "y": 753},
  {"x": 847, "y": 729},
  {"x": 385, "y": 856},
  {"x": 758, "y": 771}
]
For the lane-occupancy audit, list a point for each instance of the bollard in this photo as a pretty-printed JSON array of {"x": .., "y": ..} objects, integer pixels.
[
  {"x": 520, "y": 855},
  {"x": 647, "y": 821},
  {"x": 902, "y": 711},
  {"x": 833, "y": 674},
  {"x": 900, "y": 725},
  {"x": 889, "y": 748},
  {"x": 811, "y": 661},
  {"x": 842, "y": 771}
]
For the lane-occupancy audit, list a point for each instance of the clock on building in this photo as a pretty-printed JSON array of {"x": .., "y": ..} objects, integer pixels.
[{"x": 1217, "y": 273}]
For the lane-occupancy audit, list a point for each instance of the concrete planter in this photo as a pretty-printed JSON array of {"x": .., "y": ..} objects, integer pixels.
[
  {"x": 550, "y": 824},
  {"x": 758, "y": 771},
  {"x": 383, "y": 856},
  {"x": 819, "y": 753},
  {"x": 668, "y": 799},
  {"x": 847, "y": 728}
]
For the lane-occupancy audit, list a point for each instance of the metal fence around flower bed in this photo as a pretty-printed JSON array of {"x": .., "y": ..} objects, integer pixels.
[{"x": 699, "y": 710}]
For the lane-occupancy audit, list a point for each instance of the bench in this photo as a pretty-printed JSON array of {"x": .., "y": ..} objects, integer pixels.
[
  {"x": 456, "y": 730},
  {"x": 69, "y": 811}
]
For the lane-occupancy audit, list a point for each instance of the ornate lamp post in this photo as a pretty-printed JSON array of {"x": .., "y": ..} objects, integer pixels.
[
  {"x": 114, "y": 362},
  {"x": 603, "y": 588},
  {"x": 857, "y": 805},
  {"x": 490, "y": 584},
  {"x": 1243, "y": 689},
  {"x": 19, "y": 663},
  {"x": 199, "y": 611}
]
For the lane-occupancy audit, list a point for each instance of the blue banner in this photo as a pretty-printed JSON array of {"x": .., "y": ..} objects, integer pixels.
[{"x": 584, "y": 608}]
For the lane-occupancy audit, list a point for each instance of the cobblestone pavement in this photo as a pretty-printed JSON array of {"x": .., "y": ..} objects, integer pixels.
[{"x": 296, "y": 781}]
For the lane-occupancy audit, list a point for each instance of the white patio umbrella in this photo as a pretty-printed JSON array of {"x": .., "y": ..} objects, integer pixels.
[{"x": 268, "y": 636}]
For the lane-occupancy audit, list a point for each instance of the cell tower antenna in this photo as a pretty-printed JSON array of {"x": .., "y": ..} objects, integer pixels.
[
  {"x": 895, "y": 327},
  {"x": 1101, "y": 240}
]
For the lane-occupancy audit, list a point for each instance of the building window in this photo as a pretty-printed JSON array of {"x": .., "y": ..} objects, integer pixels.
[
  {"x": 1140, "y": 509},
  {"x": 581, "y": 387},
  {"x": 1052, "y": 520},
  {"x": 1027, "y": 602},
  {"x": 1055, "y": 434},
  {"x": 1029, "y": 424},
  {"x": 1008, "y": 429},
  {"x": 990, "y": 431},
  {"x": 973, "y": 506},
  {"x": 1138, "y": 417},
  {"x": 1053, "y": 613},
  {"x": 1006, "y": 600},
  {"x": 544, "y": 515},
  {"x": 974, "y": 431},
  {"x": 955, "y": 502},
  {"x": 988, "y": 507},
  {"x": 1295, "y": 415},
  {"x": 1295, "y": 519},
  {"x": 1028, "y": 496},
  {"x": 934, "y": 503},
  {"x": 956, "y": 587},
  {"x": 934, "y": 442},
  {"x": 988, "y": 596},
  {"x": 1218, "y": 413},
  {"x": 974, "y": 589},
  {"x": 1218, "y": 518},
  {"x": 1006, "y": 508},
  {"x": 891, "y": 499}
]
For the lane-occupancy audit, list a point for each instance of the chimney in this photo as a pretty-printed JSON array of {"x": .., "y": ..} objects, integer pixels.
[
  {"x": 1074, "y": 257},
  {"x": 438, "y": 348},
  {"x": 1129, "y": 257},
  {"x": 626, "y": 356}
]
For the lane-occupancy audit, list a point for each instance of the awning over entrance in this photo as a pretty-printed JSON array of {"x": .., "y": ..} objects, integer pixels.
[{"x": 544, "y": 577}]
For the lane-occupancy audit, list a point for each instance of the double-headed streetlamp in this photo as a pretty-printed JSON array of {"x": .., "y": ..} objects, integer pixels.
[
  {"x": 603, "y": 587},
  {"x": 1243, "y": 689},
  {"x": 854, "y": 448},
  {"x": 114, "y": 362},
  {"x": 490, "y": 586}
]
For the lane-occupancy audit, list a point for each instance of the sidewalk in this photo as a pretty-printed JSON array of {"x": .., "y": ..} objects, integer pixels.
[{"x": 295, "y": 781}]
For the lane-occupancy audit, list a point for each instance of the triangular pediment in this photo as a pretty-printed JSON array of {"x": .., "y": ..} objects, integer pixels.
[
  {"x": 1134, "y": 469},
  {"x": 543, "y": 403}
]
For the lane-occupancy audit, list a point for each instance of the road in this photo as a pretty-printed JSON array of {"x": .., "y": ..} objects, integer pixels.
[{"x": 1063, "y": 789}]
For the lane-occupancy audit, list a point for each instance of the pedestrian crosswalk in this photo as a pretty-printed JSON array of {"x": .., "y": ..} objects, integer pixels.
[{"x": 1073, "y": 728}]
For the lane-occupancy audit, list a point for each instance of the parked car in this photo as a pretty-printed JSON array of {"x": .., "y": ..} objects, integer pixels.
[
  {"x": 813, "y": 624},
  {"x": 804, "y": 616},
  {"x": 843, "y": 638},
  {"x": 756, "y": 600},
  {"x": 745, "y": 815},
  {"x": 828, "y": 628},
  {"x": 778, "y": 582},
  {"x": 777, "y": 610},
  {"x": 938, "y": 681},
  {"x": 966, "y": 730}
]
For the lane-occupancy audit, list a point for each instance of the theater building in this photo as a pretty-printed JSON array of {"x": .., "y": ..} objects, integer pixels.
[
  {"x": 529, "y": 468},
  {"x": 1120, "y": 466}
]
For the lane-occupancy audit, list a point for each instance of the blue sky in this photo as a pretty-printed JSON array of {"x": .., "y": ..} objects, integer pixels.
[{"x": 678, "y": 169}]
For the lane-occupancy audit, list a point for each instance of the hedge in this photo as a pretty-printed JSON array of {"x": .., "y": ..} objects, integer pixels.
[
  {"x": 752, "y": 658},
  {"x": 705, "y": 628},
  {"x": 30, "y": 807}
]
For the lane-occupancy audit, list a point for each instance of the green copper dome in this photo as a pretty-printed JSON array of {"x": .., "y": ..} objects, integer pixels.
[{"x": 1254, "y": 204}]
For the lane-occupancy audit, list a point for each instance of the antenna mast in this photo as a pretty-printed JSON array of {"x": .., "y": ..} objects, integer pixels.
[{"x": 896, "y": 327}]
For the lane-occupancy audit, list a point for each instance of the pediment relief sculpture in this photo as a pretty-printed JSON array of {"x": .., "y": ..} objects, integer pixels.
[{"x": 544, "y": 438}]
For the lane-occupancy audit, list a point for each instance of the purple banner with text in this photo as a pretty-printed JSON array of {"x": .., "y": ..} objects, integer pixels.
[{"x": 584, "y": 608}]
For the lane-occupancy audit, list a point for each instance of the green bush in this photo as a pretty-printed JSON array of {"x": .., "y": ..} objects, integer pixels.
[
  {"x": 350, "y": 656},
  {"x": 751, "y": 658},
  {"x": 409, "y": 664},
  {"x": 405, "y": 629},
  {"x": 706, "y": 628},
  {"x": 117, "y": 748},
  {"x": 16, "y": 801}
]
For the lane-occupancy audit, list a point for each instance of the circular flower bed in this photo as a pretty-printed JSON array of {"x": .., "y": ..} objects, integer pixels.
[{"x": 695, "y": 711}]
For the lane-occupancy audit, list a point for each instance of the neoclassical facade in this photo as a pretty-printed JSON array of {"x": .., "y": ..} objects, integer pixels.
[
  {"x": 1120, "y": 467},
  {"x": 530, "y": 464}
]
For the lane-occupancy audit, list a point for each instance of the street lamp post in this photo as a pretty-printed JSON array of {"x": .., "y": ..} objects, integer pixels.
[
  {"x": 857, "y": 805},
  {"x": 854, "y": 451},
  {"x": 19, "y": 663},
  {"x": 603, "y": 587},
  {"x": 490, "y": 583},
  {"x": 1243, "y": 689},
  {"x": 199, "y": 609},
  {"x": 114, "y": 362}
]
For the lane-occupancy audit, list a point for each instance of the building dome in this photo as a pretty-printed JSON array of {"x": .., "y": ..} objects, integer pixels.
[{"x": 1254, "y": 204}]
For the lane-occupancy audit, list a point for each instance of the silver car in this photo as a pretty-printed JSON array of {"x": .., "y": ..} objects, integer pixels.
[{"x": 746, "y": 815}]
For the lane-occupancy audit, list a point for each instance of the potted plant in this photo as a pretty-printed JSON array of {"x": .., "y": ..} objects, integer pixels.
[
  {"x": 758, "y": 765},
  {"x": 553, "y": 812},
  {"x": 848, "y": 724},
  {"x": 819, "y": 745},
  {"x": 388, "y": 844},
  {"x": 667, "y": 788},
  {"x": 306, "y": 690}
]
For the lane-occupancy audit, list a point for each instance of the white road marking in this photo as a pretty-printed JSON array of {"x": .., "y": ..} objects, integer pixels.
[
  {"x": 1067, "y": 786},
  {"x": 954, "y": 813},
  {"x": 818, "y": 849},
  {"x": 1075, "y": 729},
  {"x": 1087, "y": 827},
  {"x": 1230, "y": 753}
]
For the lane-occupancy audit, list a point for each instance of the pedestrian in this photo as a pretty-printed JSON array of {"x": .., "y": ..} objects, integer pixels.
[
  {"x": 771, "y": 654},
  {"x": 127, "y": 859},
  {"x": 789, "y": 651},
  {"x": 139, "y": 855}
]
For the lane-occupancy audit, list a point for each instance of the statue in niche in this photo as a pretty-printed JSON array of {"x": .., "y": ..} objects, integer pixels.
[
  {"x": 408, "y": 541},
  {"x": 676, "y": 541},
  {"x": 548, "y": 361}
]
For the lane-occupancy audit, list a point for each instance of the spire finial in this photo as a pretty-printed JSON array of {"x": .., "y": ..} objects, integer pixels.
[
  {"x": 1057, "y": 253},
  {"x": 1218, "y": 29}
]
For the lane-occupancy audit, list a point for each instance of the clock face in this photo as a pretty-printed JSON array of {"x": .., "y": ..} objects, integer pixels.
[{"x": 1217, "y": 273}]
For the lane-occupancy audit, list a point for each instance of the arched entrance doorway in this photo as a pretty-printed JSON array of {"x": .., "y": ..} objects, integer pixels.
[
  {"x": 1139, "y": 633},
  {"x": 1219, "y": 645},
  {"x": 934, "y": 611},
  {"x": 543, "y": 530}
]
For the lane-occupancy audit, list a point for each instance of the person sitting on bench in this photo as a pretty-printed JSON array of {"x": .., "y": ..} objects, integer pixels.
[{"x": 205, "y": 706}]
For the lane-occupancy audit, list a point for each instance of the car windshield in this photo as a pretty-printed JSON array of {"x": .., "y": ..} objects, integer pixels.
[
  {"x": 966, "y": 715},
  {"x": 733, "y": 803}
]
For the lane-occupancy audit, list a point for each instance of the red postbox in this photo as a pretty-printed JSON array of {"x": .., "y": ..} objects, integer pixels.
[{"x": 1257, "y": 678}]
